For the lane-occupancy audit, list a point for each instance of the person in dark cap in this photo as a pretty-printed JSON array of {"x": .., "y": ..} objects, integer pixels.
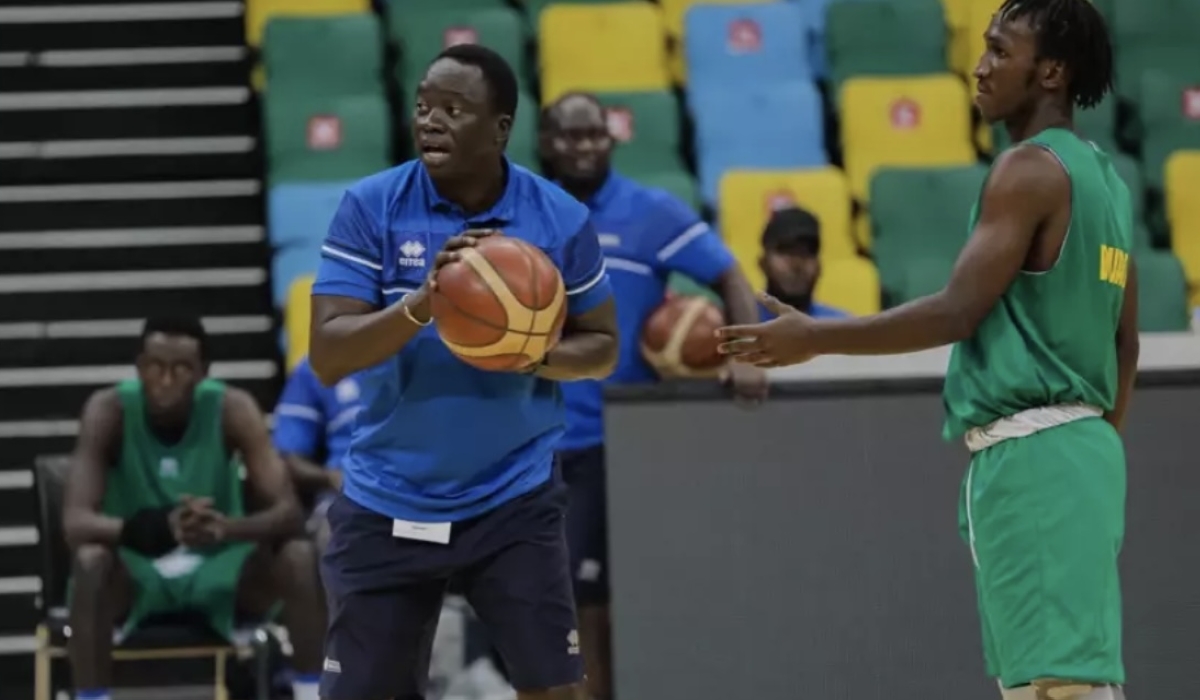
[{"x": 791, "y": 245}]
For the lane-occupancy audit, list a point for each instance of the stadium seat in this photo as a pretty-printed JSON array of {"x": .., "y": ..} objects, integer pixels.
[
  {"x": 645, "y": 126},
  {"x": 958, "y": 39},
  {"x": 1131, "y": 172},
  {"x": 259, "y": 11},
  {"x": 920, "y": 277},
  {"x": 523, "y": 141},
  {"x": 1162, "y": 293},
  {"x": 1098, "y": 124},
  {"x": 297, "y": 316},
  {"x": 534, "y": 8},
  {"x": 617, "y": 47},
  {"x": 760, "y": 127},
  {"x": 850, "y": 284},
  {"x": 677, "y": 182},
  {"x": 1183, "y": 213},
  {"x": 325, "y": 138},
  {"x": 424, "y": 30},
  {"x": 920, "y": 214},
  {"x": 744, "y": 45},
  {"x": 1169, "y": 107},
  {"x": 290, "y": 263},
  {"x": 919, "y": 121},
  {"x": 884, "y": 37},
  {"x": 299, "y": 213},
  {"x": 340, "y": 55},
  {"x": 1158, "y": 35},
  {"x": 674, "y": 12},
  {"x": 748, "y": 197}
]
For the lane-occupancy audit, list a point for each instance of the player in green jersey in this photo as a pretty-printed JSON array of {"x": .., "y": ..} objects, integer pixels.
[
  {"x": 1042, "y": 309},
  {"x": 154, "y": 515}
]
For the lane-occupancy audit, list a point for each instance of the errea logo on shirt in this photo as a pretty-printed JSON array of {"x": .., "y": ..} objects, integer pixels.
[{"x": 412, "y": 254}]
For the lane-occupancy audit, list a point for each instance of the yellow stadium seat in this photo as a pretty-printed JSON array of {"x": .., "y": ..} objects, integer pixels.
[
  {"x": 862, "y": 230},
  {"x": 978, "y": 17},
  {"x": 908, "y": 121},
  {"x": 849, "y": 284},
  {"x": 296, "y": 318},
  {"x": 958, "y": 48},
  {"x": 259, "y": 11},
  {"x": 1183, "y": 213},
  {"x": 618, "y": 47},
  {"x": 747, "y": 198}
]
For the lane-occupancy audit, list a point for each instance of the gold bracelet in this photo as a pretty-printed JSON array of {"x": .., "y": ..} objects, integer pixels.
[{"x": 408, "y": 312}]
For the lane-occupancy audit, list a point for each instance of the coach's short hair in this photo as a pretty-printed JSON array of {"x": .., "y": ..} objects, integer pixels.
[{"x": 499, "y": 76}]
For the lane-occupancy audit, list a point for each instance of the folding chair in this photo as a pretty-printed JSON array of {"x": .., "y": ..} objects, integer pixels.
[{"x": 165, "y": 640}]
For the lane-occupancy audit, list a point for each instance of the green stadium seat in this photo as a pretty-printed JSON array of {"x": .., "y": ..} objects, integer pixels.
[
  {"x": 1153, "y": 35},
  {"x": 920, "y": 214},
  {"x": 646, "y": 127},
  {"x": 678, "y": 182},
  {"x": 1162, "y": 293},
  {"x": 884, "y": 37},
  {"x": 325, "y": 138},
  {"x": 327, "y": 55},
  {"x": 921, "y": 277},
  {"x": 523, "y": 142},
  {"x": 1169, "y": 107},
  {"x": 1098, "y": 124},
  {"x": 423, "y": 31}
]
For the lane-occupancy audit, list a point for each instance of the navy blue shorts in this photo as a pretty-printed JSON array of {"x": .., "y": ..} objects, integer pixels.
[
  {"x": 385, "y": 596},
  {"x": 587, "y": 523}
]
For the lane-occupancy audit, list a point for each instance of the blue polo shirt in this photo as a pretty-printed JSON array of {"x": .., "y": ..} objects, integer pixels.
[
  {"x": 646, "y": 234},
  {"x": 438, "y": 440},
  {"x": 315, "y": 421}
]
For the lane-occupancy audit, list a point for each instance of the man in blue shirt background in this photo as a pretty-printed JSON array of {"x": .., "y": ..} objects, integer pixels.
[
  {"x": 791, "y": 262},
  {"x": 313, "y": 425},
  {"x": 646, "y": 235},
  {"x": 450, "y": 471}
]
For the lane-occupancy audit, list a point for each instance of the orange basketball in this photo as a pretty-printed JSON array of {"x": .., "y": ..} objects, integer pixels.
[
  {"x": 502, "y": 306},
  {"x": 678, "y": 339}
]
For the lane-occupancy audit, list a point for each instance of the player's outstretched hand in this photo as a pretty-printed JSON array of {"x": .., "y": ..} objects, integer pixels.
[
  {"x": 782, "y": 341},
  {"x": 450, "y": 252}
]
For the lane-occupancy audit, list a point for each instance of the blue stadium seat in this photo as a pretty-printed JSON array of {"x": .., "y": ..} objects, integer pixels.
[
  {"x": 290, "y": 262},
  {"x": 814, "y": 11},
  {"x": 299, "y": 213},
  {"x": 757, "y": 127},
  {"x": 741, "y": 44}
]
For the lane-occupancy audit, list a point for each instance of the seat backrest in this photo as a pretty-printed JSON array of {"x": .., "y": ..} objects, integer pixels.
[
  {"x": 258, "y": 12},
  {"x": 325, "y": 138},
  {"x": 423, "y": 31},
  {"x": 339, "y": 55},
  {"x": 880, "y": 37},
  {"x": 607, "y": 47},
  {"x": 1162, "y": 293},
  {"x": 850, "y": 285},
  {"x": 523, "y": 137},
  {"x": 744, "y": 44},
  {"x": 645, "y": 126},
  {"x": 299, "y": 213},
  {"x": 49, "y": 480},
  {"x": 297, "y": 311}
]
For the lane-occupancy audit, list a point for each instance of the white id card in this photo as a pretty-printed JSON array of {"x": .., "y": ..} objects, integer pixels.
[{"x": 437, "y": 533}]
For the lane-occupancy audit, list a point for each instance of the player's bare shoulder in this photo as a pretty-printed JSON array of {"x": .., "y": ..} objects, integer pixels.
[
  {"x": 237, "y": 405},
  {"x": 103, "y": 410},
  {"x": 1029, "y": 173}
]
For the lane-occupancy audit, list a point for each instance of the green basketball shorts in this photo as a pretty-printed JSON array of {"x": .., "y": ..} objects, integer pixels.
[{"x": 1044, "y": 516}]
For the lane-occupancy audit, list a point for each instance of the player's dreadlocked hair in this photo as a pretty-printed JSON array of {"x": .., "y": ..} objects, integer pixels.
[{"x": 1074, "y": 32}]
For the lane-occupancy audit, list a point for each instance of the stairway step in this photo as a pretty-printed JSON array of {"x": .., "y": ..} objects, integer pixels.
[
  {"x": 33, "y": 77},
  {"x": 120, "y": 26},
  {"x": 26, "y": 440},
  {"x": 27, "y": 393},
  {"x": 109, "y": 259},
  {"x": 130, "y": 205},
  {"x": 42, "y": 352},
  {"x": 237, "y": 116},
  {"x": 106, "y": 295},
  {"x": 129, "y": 160}
]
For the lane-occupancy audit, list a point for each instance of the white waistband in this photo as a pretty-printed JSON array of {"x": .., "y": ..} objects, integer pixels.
[{"x": 1027, "y": 422}]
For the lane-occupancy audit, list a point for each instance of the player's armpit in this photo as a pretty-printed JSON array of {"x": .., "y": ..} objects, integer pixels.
[
  {"x": 1026, "y": 187},
  {"x": 1128, "y": 349},
  {"x": 246, "y": 432},
  {"x": 589, "y": 347},
  {"x": 349, "y": 334},
  {"x": 99, "y": 434}
]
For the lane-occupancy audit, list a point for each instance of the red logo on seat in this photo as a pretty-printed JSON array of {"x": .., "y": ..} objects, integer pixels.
[
  {"x": 745, "y": 36},
  {"x": 780, "y": 199},
  {"x": 1191, "y": 103},
  {"x": 905, "y": 114},
  {"x": 459, "y": 35},
  {"x": 620, "y": 123},
  {"x": 324, "y": 133}
]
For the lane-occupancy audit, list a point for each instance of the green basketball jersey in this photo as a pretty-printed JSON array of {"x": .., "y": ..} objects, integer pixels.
[
  {"x": 1051, "y": 337},
  {"x": 150, "y": 474}
]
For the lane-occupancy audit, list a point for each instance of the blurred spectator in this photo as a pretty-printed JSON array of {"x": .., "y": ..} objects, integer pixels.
[{"x": 791, "y": 261}]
